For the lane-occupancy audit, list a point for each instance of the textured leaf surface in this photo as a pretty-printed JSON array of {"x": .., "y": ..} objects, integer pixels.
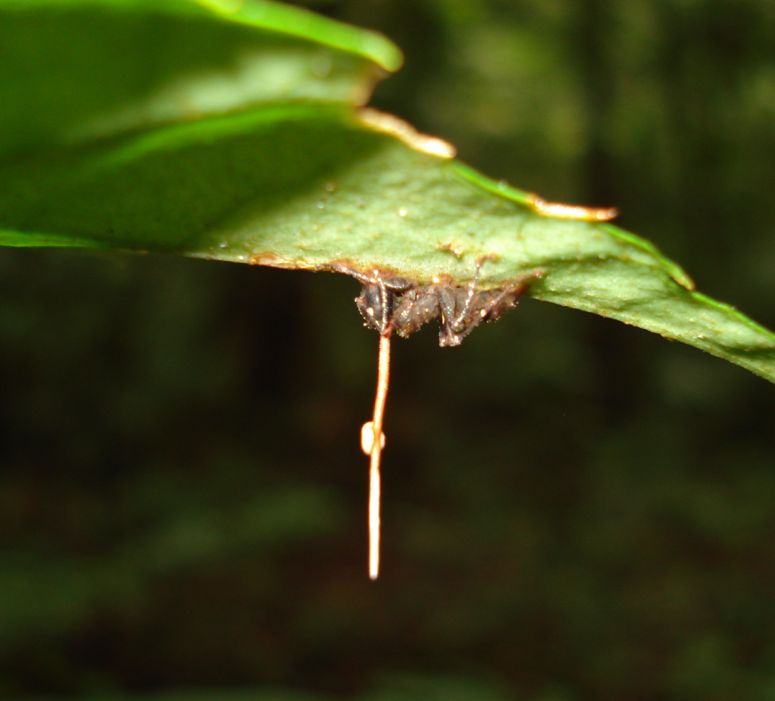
[{"x": 313, "y": 187}]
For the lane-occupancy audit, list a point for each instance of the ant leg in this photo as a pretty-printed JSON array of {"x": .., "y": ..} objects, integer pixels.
[
  {"x": 394, "y": 283},
  {"x": 353, "y": 272},
  {"x": 496, "y": 302},
  {"x": 459, "y": 321}
]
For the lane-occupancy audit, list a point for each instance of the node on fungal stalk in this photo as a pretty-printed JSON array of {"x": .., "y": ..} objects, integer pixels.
[
  {"x": 391, "y": 303},
  {"x": 375, "y": 303}
]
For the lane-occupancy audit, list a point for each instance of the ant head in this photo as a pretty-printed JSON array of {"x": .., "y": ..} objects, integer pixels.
[{"x": 375, "y": 304}]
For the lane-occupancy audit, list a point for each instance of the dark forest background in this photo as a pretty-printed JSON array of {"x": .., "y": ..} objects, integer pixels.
[{"x": 573, "y": 509}]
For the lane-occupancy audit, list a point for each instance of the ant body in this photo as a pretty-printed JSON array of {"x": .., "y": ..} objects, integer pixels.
[{"x": 396, "y": 304}]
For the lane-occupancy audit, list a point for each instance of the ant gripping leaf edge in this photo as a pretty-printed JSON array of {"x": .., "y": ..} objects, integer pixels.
[{"x": 389, "y": 304}]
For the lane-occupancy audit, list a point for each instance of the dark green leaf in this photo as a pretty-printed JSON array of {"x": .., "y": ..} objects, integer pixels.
[
  {"x": 311, "y": 187},
  {"x": 74, "y": 71},
  {"x": 225, "y": 130}
]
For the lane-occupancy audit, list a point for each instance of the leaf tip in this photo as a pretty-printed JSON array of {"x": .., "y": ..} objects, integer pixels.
[
  {"x": 398, "y": 128},
  {"x": 560, "y": 210}
]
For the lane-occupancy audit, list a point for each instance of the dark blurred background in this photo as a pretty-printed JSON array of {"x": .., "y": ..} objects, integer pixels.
[{"x": 573, "y": 509}]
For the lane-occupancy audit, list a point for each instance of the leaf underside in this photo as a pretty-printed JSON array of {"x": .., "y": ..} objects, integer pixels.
[{"x": 287, "y": 173}]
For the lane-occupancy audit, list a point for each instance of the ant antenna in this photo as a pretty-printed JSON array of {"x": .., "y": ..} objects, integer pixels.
[{"x": 469, "y": 298}]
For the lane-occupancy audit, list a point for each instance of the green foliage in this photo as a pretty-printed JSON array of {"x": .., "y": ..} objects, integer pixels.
[
  {"x": 585, "y": 515},
  {"x": 78, "y": 71},
  {"x": 238, "y": 158}
]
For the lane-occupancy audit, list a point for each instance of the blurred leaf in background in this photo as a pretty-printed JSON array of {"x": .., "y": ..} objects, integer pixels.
[{"x": 573, "y": 509}]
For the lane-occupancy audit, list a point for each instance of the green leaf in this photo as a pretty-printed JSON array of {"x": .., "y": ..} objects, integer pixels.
[
  {"x": 74, "y": 71},
  {"x": 314, "y": 186},
  {"x": 225, "y": 130}
]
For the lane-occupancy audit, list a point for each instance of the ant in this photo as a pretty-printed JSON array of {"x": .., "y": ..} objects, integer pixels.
[
  {"x": 392, "y": 303},
  {"x": 396, "y": 304}
]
